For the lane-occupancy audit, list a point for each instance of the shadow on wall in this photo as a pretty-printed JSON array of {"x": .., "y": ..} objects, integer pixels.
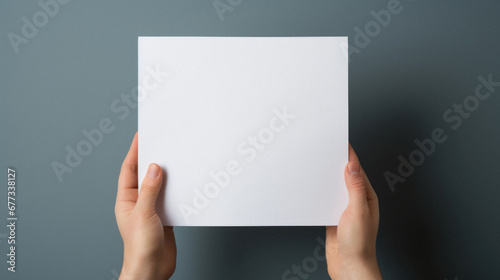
[
  {"x": 407, "y": 241},
  {"x": 251, "y": 253}
]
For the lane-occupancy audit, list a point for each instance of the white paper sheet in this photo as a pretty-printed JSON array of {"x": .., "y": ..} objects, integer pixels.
[{"x": 252, "y": 131}]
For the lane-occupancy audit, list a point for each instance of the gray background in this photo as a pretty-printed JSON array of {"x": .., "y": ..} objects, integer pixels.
[{"x": 441, "y": 223}]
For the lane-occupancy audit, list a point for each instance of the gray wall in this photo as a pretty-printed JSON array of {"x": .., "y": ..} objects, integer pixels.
[{"x": 442, "y": 222}]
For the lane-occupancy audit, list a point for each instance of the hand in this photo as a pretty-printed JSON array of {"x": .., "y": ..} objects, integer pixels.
[
  {"x": 149, "y": 250},
  {"x": 350, "y": 246}
]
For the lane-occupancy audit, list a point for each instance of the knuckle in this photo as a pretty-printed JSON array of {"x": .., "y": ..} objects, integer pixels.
[
  {"x": 148, "y": 186},
  {"x": 357, "y": 185},
  {"x": 129, "y": 167}
]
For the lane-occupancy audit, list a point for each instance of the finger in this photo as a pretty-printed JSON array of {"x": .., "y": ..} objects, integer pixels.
[
  {"x": 127, "y": 181},
  {"x": 331, "y": 236},
  {"x": 371, "y": 196},
  {"x": 352, "y": 154},
  {"x": 150, "y": 188},
  {"x": 169, "y": 248},
  {"x": 331, "y": 243},
  {"x": 355, "y": 183},
  {"x": 168, "y": 236}
]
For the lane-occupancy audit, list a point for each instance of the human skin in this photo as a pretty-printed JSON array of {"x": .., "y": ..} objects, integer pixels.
[
  {"x": 150, "y": 250},
  {"x": 351, "y": 246}
]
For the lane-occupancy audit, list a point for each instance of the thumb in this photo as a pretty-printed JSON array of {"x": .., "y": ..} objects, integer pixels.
[
  {"x": 150, "y": 188},
  {"x": 356, "y": 187}
]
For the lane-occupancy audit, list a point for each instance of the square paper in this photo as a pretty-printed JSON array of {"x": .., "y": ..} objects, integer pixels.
[{"x": 251, "y": 131}]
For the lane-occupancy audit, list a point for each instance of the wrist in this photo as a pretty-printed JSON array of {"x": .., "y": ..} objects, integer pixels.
[
  {"x": 142, "y": 273},
  {"x": 135, "y": 269},
  {"x": 366, "y": 268}
]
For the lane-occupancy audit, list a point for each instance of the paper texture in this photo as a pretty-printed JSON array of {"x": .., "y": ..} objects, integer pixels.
[{"x": 251, "y": 131}]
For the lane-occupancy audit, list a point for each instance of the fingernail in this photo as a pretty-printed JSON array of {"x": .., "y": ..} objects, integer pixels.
[
  {"x": 153, "y": 171},
  {"x": 353, "y": 167}
]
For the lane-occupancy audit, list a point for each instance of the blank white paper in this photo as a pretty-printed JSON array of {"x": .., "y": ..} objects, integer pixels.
[{"x": 251, "y": 131}]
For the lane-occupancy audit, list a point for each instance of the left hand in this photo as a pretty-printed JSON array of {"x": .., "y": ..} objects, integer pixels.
[{"x": 149, "y": 248}]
